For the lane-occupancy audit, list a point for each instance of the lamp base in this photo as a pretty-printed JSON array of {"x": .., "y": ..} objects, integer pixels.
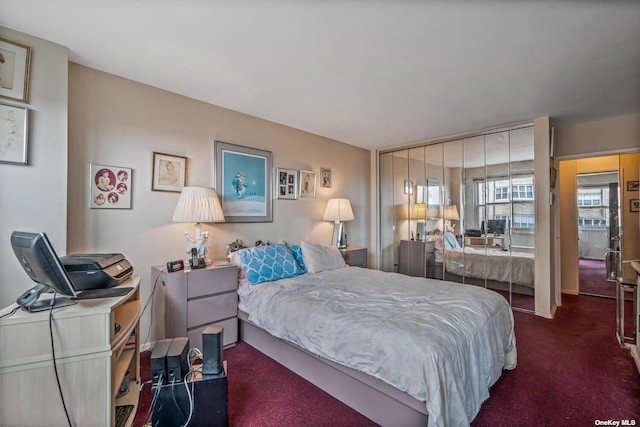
[{"x": 339, "y": 237}]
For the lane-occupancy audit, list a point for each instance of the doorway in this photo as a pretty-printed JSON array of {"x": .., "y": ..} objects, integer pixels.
[{"x": 599, "y": 252}]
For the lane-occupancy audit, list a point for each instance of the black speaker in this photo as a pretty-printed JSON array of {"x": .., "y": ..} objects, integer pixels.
[
  {"x": 212, "y": 350},
  {"x": 177, "y": 364},
  {"x": 159, "y": 363}
]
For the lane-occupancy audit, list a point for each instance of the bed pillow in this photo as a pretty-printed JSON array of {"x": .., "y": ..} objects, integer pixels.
[
  {"x": 319, "y": 258},
  {"x": 297, "y": 254},
  {"x": 234, "y": 258},
  {"x": 268, "y": 263},
  {"x": 450, "y": 241}
]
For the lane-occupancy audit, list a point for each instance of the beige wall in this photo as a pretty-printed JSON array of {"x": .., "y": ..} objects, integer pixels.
[
  {"x": 114, "y": 121},
  {"x": 34, "y": 197},
  {"x": 598, "y": 138}
]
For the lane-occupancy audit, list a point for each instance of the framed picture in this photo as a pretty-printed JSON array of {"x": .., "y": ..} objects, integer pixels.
[
  {"x": 14, "y": 70},
  {"x": 325, "y": 177},
  {"x": 286, "y": 183},
  {"x": 552, "y": 177},
  {"x": 110, "y": 187},
  {"x": 169, "y": 172},
  {"x": 633, "y": 185},
  {"x": 307, "y": 184},
  {"x": 243, "y": 181},
  {"x": 634, "y": 205},
  {"x": 13, "y": 134}
]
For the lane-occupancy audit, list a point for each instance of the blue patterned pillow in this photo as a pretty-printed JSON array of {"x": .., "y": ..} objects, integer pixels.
[
  {"x": 268, "y": 263},
  {"x": 297, "y": 254}
]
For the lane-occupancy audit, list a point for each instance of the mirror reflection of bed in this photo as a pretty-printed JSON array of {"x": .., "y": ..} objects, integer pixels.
[{"x": 487, "y": 179}]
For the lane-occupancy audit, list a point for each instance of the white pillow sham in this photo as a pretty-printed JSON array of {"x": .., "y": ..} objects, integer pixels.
[{"x": 319, "y": 258}]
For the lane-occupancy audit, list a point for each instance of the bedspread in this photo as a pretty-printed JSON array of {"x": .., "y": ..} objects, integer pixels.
[
  {"x": 443, "y": 343},
  {"x": 493, "y": 264}
]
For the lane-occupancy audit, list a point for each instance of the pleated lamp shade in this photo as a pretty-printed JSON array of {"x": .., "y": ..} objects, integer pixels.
[{"x": 198, "y": 204}]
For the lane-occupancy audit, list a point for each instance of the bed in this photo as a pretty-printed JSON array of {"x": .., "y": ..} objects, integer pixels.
[
  {"x": 401, "y": 350},
  {"x": 496, "y": 265}
]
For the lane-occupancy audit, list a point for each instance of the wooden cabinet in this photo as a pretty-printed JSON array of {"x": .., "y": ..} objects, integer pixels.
[
  {"x": 484, "y": 242},
  {"x": 195, "y": 299},
  {"x": 355, "y": 256},
  {"x": 96, "y": 351},
  {"x": 418, "y": 258}
]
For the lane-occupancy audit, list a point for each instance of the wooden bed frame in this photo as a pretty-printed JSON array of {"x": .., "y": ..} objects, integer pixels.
[{"x": 375, "y": 399}]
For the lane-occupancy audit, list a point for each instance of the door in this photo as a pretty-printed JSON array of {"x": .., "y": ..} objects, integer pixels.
[{"x": 598, "y": 233}]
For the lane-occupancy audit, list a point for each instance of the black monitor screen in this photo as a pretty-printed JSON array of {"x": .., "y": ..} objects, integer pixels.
[
  {"x": 40, "y": 262},
  {"x": 496, "y": 226}
]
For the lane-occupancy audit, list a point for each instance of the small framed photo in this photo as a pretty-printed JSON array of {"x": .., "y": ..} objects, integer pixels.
[
  {"x": 634, "y": 205},
  {"x": 633, "y": 185},
  {"x": 325, "y": 177},
  {"x": 14, "y": 70},
  {"x": 110, "y": 187},
  {"x": 169, "y": 172},
  {"x": 553, "y": 176},
  {"x": 286, "y": 183},
  {"x": 307, "y": 184},
  {"x": 13, "y": 134}
]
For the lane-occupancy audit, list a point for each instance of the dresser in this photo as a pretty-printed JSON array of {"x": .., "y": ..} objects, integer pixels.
[
  {"x": 195, "y": 299},
  {"x": 418, "y": 259},
  {"x": 355, "y": 256}
]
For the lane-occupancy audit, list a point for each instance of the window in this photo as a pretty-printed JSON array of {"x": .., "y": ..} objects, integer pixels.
[
  {"x": 589, "y": 198},
  {"x": 523, "y": 192},
  {"x": 502, "y": 193},
  {"x": 592, "y": 222}
]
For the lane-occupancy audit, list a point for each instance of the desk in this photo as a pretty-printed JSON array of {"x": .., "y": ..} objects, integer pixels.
[{"x": 484, "y": 242}]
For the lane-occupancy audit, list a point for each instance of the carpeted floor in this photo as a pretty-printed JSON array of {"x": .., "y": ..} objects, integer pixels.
[
  {"x": 593, "y": 278},
  {"x": 571, "y": 372}
]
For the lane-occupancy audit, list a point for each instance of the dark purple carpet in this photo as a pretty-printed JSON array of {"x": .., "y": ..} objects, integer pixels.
[
  {"x": 570, "y": 371},
  {"x": 593, "y": 278}
]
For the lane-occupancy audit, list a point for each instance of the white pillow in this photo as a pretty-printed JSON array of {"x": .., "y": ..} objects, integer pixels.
[
  {"x": 234, "y": 257},
  {"x": 319, "y": 258}
]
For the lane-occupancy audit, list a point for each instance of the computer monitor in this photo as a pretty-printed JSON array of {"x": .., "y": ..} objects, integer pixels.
[
  {"x": 39, "y": 260},
  {"x": 496, "y": 226}
]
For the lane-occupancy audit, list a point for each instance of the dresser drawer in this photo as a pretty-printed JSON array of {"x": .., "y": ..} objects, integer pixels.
[
  {"x": 206, "y": 310},
  {"x": 229, "y": 335},
  {"x": 211, "y": 281}
]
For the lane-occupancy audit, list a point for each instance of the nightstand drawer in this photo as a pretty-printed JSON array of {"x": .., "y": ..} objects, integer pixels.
[
  {"x": 204, "y": 310},
  {"x": 229, "y": 335},
  {"x": 211, "y": 281}
]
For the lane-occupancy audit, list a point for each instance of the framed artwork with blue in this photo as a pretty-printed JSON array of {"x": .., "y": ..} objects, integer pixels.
[{"x": 243, "y": 181}]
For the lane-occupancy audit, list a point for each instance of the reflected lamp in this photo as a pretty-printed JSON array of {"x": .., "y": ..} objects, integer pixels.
[
  {"x": 419, "y": 213},
  {"x": 338, "y": 211},
  {"x": 451, "y": 214},
  {"x": 198, "y": 204}
]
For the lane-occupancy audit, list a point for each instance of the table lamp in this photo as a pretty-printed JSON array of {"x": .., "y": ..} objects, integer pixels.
[
  {"x": 419, "y": 213},
  {"x": 198, "y": 204},
  {"x": 450, "y": 214},
  {"x": 338, "y": 210}
]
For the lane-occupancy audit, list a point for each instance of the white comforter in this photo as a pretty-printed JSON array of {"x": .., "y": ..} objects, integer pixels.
[
  {"x": 493, "y": 264},
  {"x": 441, "y": 342}
]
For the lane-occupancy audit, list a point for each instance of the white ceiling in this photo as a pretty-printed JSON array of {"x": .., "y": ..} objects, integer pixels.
[{"x": 369, "y": 73}]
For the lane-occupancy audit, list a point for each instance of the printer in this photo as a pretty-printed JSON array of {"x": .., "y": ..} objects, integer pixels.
[{"x": 96, "y": 271}]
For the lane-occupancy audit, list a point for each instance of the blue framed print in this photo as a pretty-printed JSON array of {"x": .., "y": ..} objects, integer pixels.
[{"x": 243, "y": 181}]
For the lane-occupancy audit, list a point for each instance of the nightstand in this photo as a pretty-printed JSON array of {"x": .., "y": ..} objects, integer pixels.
[
  {"x": 355, "y": 256},
  {"x": 418, "y": 259},
  {"x": 195, "y": 299}
]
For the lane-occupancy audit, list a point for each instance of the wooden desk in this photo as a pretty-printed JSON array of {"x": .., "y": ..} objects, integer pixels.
[{"x": 484, "y": 242}]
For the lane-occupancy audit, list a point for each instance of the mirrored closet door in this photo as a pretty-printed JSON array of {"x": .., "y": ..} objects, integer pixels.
[{"x": 463, "y": 210}]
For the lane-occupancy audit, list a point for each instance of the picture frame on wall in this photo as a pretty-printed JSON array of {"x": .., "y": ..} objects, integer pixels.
[
  {"x": 633, "y": 185},
  {"x": 169, "y": 172},
  {"x": 286, "y": 183},
  {"x": 243, "y": 182},
  {"x": 634, "y": 205},
  {"x": 14, "y": 126},
  {"x": 325, "y": 177},
  {"x": 15, "y": 60},
  {"x": 307, "y": 184},
  {"x": 110, "y": 187},
  {"x": 553, "y": 174}
]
